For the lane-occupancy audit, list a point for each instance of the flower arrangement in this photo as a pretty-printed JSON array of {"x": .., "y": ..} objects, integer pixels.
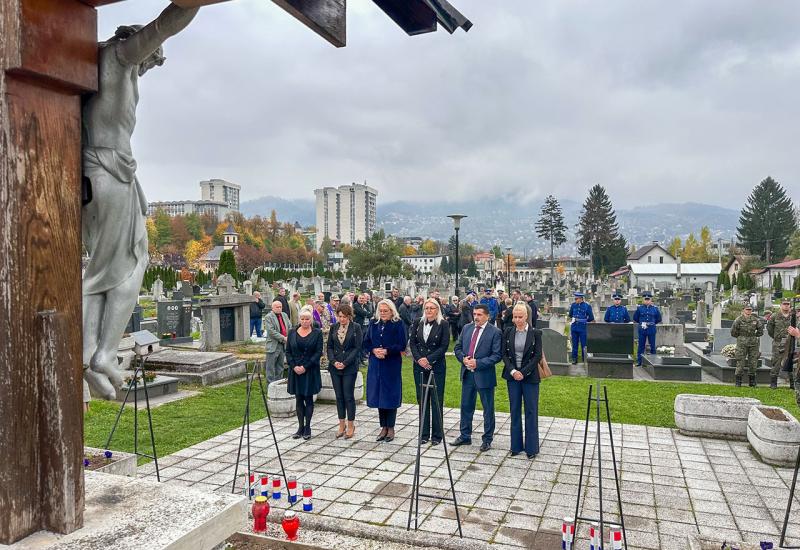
[
  {"x": 729, "y": 351},
  {"x": 95, "y": 461},
  {"x": 665, "y": 350},
  {"x": 148, "y": 377},
  {"x": 168, "y": 335}
]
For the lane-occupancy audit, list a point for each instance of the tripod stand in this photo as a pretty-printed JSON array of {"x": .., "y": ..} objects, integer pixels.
[
  {"x": 139, "y": 368},
  {"x": 789, "y": 505},
  {"x": 413, "y": 507},
  {"x": 597, "y": 399},
  {"x": 251, "y": 377}
]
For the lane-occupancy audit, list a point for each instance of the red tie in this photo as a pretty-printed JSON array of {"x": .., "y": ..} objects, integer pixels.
[
  {"x": 474, "y": 341},
  {"x": 280, "y": 322}
]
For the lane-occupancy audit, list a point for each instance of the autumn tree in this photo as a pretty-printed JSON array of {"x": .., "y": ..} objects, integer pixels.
[
  {"x": 196, "y": 249},
  {"x": 250, "y": 257}
]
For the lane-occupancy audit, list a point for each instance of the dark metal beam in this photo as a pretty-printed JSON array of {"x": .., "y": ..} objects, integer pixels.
[{"x": 324, "y": 17}]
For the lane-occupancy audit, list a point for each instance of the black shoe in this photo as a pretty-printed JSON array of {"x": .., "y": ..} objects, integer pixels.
[
  {"x": 436, "y": 441},
  {"x": 532, "y": 455},
  {"x": 307, "y": 433},
  {"x": 389, "y": 436},
  {"x": 460, "y": 441},
  {"x": 773, "y": 382},
  {"x": 485, "y": 446},
  {"x": 574, "y": 361},
  {"x": 738, "y": 380},
  {"x": 515, "y": 453},
  {"x": 423, "y": 440},
  {"x": 298, "y": 434},
  {"x": 382, "y": 435},
  {"x": 752, "y": 380}
]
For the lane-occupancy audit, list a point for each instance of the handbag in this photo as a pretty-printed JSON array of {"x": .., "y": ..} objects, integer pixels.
[{"x": 544, "y": 369}]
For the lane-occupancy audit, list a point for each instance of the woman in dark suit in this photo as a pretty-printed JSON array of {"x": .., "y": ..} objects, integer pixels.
[
  {"x": 303, "y": 353},
  {"x": 430, "y": 338},
  {"x": 344, "y": 357},
  {"x": 385, "y": 340},
  {"x": 522, "y": 351}
]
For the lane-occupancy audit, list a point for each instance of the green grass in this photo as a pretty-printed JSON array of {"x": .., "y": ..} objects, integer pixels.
[{"x": 216, "y": 410}]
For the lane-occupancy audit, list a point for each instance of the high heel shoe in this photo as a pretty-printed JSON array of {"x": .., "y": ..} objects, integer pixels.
[
  {"x": 351, "y": 430},
  {"x": 340, "y": 433}
]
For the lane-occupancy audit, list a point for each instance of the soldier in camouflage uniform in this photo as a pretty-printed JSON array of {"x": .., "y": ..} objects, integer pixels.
[
  {"x": 777, "y": 327},
  {"x": 747, "y": 329},
  {"x": 794, "y": 332}
]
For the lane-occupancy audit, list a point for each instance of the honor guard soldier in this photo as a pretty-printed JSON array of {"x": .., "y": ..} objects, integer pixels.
[
  {"x": 778, "y": 330},
  {"x": 647, "y": 316},
  {"x": 581, "y": 313},
  {"x": 747, "y": 329},
  {"x": 617, "y": 313}
]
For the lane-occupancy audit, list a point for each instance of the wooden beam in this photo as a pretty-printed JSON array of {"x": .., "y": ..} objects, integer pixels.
[
  {"x": 45, "y": 65},
  {"x": 413, "y": 16},
  {"x": 327, "y": 18}
]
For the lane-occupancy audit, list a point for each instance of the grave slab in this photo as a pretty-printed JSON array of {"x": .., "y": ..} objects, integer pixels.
[
  {"x": 197, "y": 367},
  {"x": 665, "y": 367}
]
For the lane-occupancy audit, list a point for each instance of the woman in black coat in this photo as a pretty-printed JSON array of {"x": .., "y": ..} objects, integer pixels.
[
  {"x": 522, "y": 351},
  {"x": 429, "y": 340},
  {"x": 303, "y": 353},
  {"x": 344, "y": 357}
]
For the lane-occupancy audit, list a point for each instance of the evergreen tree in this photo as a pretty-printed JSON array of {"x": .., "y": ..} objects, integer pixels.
[
  {"x": 734, "y": 281},
  {"x": 777, "y": 283},
  {"x": 227, "y": 264},
  {"x": 445, "y": 267},
  {"x": 163, "y": 228},
  {"x": 767, "y": 221},
  {"x": 551, "y": 227},
  {"x": 598, "y": 232},
  {"x": 472, "y": 268},
  {"x": 378, "y": 256}
]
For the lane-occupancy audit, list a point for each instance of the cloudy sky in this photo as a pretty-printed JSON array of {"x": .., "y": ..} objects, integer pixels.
[{"x": 657, "y": 101}]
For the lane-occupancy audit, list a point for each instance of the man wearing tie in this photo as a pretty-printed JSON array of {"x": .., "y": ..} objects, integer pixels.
[
  {"x": 478, "y": 349},
  {"x": 277, "y": 328}
]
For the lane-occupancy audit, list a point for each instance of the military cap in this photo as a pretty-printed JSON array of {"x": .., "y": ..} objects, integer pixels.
[
  {"x": 617, "y": 295},
  {"x": 748, "y": 306},
  {"x": 786, "y": 301},
  {"x": 579, "y": 294},
  {"x": 647, "y": 294}
]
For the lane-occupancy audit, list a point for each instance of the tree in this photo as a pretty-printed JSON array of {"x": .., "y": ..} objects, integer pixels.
[
  {"x": 598, "y": 231},
  {"x": 326, "y": 246},
  {"x": 163, "y": 228},
  {"x": 377, "y": 256},
  {"x": 227, "y": 264},
  {"x": 428, "y": 247},
  {"x": 249, "y": 257},
  {"x": 196, "y": 249},
  {"x": 777, "y": 283},
  {"x": 445, "y": 266},
  {"x": 472, "y": 267},
  {"x": 409, "y": 250},
  {"x": 551, "y": 226},
  {"x": 794, "y": 245},
  {"x": 675, "y": 247},
  {"x": 496, "y": 251},
  {"x": 767, "y": 221},
  {"x": 194, "y": 226}
]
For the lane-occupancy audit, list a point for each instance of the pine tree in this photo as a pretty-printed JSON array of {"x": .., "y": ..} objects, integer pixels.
[
  {"x": 445, "y": 267},
  {"x": 551, "y": 227},
  {"x": 734, "y": 281},
  {"x": 227, "y": 264},
  {"x": 598, "y": 232},
  {"x": 767, "y": 221},
  {"x": 472, "y": 269},
  {"x": 777, "y": 283}
]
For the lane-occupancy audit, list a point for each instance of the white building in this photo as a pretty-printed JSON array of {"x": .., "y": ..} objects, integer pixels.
[
  {"x": 652, "y": 253},
  {"x": 423, "y": 263},
  {"x": 218, "y": 209},
  {"x": 668, "y": 274},
  {"x": 221, "y": 191},
  {"x": 346, "y": 214}
]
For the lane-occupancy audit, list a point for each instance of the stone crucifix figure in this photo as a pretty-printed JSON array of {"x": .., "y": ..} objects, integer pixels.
[{"x": 114, "y": 208}]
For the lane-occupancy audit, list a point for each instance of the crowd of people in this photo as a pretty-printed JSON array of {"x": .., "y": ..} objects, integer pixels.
[{"x": 339, "y": 333}]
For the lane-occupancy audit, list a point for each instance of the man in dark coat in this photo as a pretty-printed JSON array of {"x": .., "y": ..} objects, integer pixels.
[
  {"x": 256, "y": 311},
  {"x": 478, "y": 349}
]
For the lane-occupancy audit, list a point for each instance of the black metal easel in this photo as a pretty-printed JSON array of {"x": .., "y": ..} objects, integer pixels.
[
  {"x": 139, "y": 368},
  {"x": 601, "y": 520},
  {"x": 251, "y": 377},
  {"x": 413, "y": 508},
  {"x": 789, "y": 505}
]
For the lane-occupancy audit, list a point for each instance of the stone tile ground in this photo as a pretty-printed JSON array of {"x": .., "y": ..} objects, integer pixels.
[{"x": 671, "y": 485}]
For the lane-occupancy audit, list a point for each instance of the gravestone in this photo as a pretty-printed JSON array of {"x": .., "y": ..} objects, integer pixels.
[
  {"x": 225, "y": 285},
  {"x": 722, "y": 337},
  {"x": 158, "y": 290},
  {"x": 701, "y": 320},
  {"x": 716, "y": 316},
  {"x": 554, "y": 346},
  {"x": 609, "y": 348},
  {"x": 135, "y": 322},
  {"x": 175, "y": 317},
  {"x": 227, "y": 324},
  {"x": 188, "y": 290},
  {"x": 248, "y": 287}
]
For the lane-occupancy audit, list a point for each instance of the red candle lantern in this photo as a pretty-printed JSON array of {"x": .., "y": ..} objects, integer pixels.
[
  {"x": 260, "y": 513},
  {"x": 290, "y": 523}
]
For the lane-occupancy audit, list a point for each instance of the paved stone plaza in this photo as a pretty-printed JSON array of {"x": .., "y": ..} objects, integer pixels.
[{"x": 672, "y": 485}]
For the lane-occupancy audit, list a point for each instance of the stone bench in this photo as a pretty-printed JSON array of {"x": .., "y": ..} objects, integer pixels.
[
  {"x": 774, "y": 435},
  {"x": 713, "y": 415},
  {"x": 327, "y": 395}
]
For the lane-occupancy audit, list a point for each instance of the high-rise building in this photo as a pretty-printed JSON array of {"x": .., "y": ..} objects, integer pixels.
[
  {"x": 221, "y": 190},
  {"x": 218, "y": 209},
  {"x": 346, "y": 214}
]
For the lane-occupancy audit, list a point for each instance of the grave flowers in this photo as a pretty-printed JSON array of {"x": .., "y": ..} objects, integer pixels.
[
  {"x": 729, "y": 351},
  {"x": 665, "y": 350}
]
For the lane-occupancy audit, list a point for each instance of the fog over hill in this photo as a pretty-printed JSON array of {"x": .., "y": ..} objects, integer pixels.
[{"x": 507, "y": 222}]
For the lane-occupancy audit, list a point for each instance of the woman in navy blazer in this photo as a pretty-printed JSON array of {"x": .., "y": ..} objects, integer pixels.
[
  {"x": 522, "y": 351},
  {"x": 385, "y": 340},
  {"x": 303, "y": 354},
  {"x": 344, "y": 357},
  {"x": 429, "y": 340}
]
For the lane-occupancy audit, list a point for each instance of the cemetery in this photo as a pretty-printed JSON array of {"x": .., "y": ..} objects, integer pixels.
[{"x": 139, "y": 411}]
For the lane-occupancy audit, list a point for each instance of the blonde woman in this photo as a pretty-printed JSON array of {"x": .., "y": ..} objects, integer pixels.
[
  {"x": 384, "y": 341},
  {"x": 429, "y": 340}
]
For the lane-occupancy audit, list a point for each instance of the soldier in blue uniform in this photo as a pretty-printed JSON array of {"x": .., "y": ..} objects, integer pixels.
[
  {"x": 647, "y": 316},
  {"x": 617, "y": 313},
  {"x": 581, "y": 313}
]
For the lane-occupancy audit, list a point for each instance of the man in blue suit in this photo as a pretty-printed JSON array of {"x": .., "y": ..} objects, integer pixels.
[
  {"x": 647, "y": 316},
  {"x": 617, "y": 313},
  {"x": 478, "y": 349}
]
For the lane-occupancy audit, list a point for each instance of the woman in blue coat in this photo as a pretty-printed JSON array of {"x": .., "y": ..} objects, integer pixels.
[
  {"x": 303, "y": 354},
  {"x": 384, "y": 341}
]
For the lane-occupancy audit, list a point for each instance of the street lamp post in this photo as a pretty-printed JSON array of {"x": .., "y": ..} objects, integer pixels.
[
  {"x": 508, "y": 269},
  {"x": 457, "y": 225}
]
